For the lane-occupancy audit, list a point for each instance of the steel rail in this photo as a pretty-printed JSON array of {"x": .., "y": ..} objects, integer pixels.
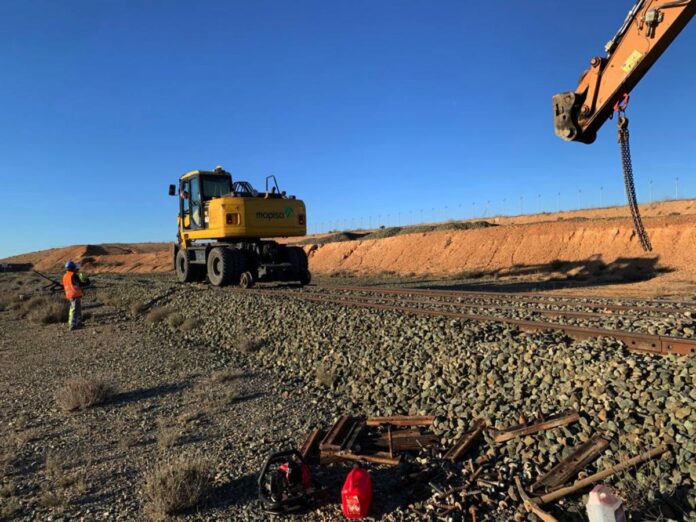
[
  {"x": 636, "y": 342},
  {"x": 549, "y": 312},
  {"x": 521, "y": 298}
]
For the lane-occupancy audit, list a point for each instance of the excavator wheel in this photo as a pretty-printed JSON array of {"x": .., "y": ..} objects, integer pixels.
[
  {"x": 298, "y": 259},
  {"x": 187, "y": 272},
  {"x": 225, "y": 266}
]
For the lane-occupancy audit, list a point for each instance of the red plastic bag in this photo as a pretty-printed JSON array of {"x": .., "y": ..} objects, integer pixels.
[{"x": 356, "y": 495}]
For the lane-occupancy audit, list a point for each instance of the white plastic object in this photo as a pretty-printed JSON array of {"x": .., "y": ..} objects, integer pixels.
[{"x": 604, "y": 506}]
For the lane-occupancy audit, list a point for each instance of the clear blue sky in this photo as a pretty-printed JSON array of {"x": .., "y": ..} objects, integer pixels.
[{"x": 362, "y": 108}]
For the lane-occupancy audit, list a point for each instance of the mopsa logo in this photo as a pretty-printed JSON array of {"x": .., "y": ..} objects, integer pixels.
[{"x": 274, "y": 215}]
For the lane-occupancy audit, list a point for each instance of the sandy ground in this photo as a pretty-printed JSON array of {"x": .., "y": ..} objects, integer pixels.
[{"x": 595, "y": 247}]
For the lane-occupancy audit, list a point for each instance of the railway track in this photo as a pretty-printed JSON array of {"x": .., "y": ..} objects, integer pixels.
[{"x": 575, "y": 316}]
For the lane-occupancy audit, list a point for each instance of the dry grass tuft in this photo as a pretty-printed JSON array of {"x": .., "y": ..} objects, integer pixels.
[
  {"x": 175, "y": 320},
  {"x": 176, "y": 486},
  {"x": 45, "y": 310},
  {"x": 157, "y": 315},
  {"x": 127, "y": 441},
  {"x": 50, "y": 500},
  {"x": 137, "y": 308},
  {"x": 9, "y": 452},
  {"x": 249, "y": 345},
  {"x": 8, "y": 490},
  {"x": 189, "y": 324},
  {"x": 10, "y": 508},
  {"x": 221, "y": 377},
  {"x": 325, "y": 376},
  {"x": 168, "y": 437},
  {"x": 80, "y": 393},
  {"x": 212, "y": 400}
]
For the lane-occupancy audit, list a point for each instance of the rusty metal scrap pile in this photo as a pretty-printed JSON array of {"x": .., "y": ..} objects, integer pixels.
[{"x": 458, "y": 482}]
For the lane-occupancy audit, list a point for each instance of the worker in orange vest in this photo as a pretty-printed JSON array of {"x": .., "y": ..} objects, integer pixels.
[{"x": 72, "y": 284}]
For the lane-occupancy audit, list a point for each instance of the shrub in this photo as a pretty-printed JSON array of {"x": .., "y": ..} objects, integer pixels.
[
  {"x": 168, "y": 437},
  {"x": 177, "y": 485},
  {"x": 44, "y": 309},
  {"x": 157, "y": 315},
  {"x": 10, "y": 508},
  {"x": 325, "y": 376},
  {"x": 49, "y": 499},
  {"x": 189, "y": 324},
  {"x": 137, "y": 308},
  {"x": 175, "y": 320},
  {"x": 248, "y": 345},
  {"x": 222, "y": 376},
  {"x": 53, "y": 312},
  {"x": 80, "y": 393}
]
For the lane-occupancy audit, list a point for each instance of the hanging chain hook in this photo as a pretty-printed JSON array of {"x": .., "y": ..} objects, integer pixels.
[{"x": 622, "y": 123}]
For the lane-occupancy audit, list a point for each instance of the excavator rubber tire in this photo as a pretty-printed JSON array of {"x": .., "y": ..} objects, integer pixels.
[
  {"x": 225, "y": 265},
  {"x": 297, "y": 257},
  {"x": 186, "y": 272}
]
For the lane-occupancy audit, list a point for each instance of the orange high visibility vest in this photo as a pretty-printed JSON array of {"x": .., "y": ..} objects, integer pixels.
[{"x": 72, "y": 291}]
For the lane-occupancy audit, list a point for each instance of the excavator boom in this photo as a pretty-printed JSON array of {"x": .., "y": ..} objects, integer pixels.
[{"x": 650, "y": 27}]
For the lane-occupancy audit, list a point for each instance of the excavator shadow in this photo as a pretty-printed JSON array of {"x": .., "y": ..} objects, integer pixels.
[{"x": 557, "y": 274}]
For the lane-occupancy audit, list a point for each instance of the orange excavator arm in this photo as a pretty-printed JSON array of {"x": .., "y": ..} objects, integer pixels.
[{"x": 650, "y": 27}]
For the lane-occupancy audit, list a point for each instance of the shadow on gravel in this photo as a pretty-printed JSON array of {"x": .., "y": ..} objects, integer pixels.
[
  {"x": 238, "y": 492},
  {"x": 121, "y": 399},
  {"x": 248, "y": 397},
  {"x": 562, "y": 274}
]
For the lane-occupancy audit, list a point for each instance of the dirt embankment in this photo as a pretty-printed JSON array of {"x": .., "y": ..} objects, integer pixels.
[
  {"x": 580, "y": 242},
  {"x": 518, "y": 249},
  {"x": 122, "y": 257}
]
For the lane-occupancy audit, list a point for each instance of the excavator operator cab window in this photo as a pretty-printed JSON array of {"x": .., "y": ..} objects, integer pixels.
[
  {"x": 191, "y": 204},
  {"x": 215, "y": 187}
]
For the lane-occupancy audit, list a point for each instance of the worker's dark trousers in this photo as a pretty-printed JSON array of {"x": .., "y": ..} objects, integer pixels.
[{"x": 75, "y": 314}]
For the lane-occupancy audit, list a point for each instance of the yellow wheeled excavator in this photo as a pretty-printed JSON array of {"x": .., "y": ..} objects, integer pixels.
[
  {"x": 225, "y": 229},
  {"x": 648, "y": 30}
]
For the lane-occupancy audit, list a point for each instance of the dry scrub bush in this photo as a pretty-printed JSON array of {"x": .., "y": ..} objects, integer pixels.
[
  {"x": 9, "y": 302},
  {"x": 10, "y": 508},
  {"x": 137, "y": 308},
  {"x": 249, "y": 345},
  {"x": 8, "y": 490},
  {"x": 45, "y": 310},
  {"x": 157, "y": 315},
  {"x": 177, "y": 485},
  {"x": 51, "y": 500},
  {"x": 9, "y": 452},
  {"x": 189, "y": 324},
  {"x": 168, "y": 437},
  {"x": 80, "y": 393},
  {"x": 325, "y": 376},
  {"x": 127, "y": 441},
  {"x": 221, "y": 377},
  {"x": 175, "y": 320}
]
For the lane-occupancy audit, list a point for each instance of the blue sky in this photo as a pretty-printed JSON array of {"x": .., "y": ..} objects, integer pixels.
[{"x": 369, "y": 110}]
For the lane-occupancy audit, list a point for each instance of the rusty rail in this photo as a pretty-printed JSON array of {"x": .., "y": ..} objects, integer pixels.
[
  {"x": 522, "y": 296},
  {"x": 636, "y": 342},
  {"x": 519, "y": 298}
]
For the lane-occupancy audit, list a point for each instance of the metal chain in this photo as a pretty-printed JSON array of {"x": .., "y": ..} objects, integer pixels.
[{"x": 628, "y": 182}]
